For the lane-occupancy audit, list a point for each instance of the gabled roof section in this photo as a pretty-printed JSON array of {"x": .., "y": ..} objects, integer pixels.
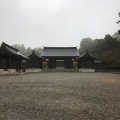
[
  {"x": 86, "y": 54},
  {"x": 60, "y": 51},
  {"x": 8, "y": 46},
  {"x": 12, "y": 50},
  {"x": 34, "y": 54}
]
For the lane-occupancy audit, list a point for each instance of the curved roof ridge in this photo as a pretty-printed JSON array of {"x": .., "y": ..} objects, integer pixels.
[
  {"x": 86, "y": 53},
  {"x": 35, "y": 53},
  {"x": 4, "y": 44},
  {"x": 60, "y": 47},
  {"x": 12, "y": 50}
]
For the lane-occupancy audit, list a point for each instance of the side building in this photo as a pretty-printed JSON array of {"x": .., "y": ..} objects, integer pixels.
[
  {"x": 34, "y": 64},
  {"x": 11, "y": 60},
  {"x": 86, "y": 62},
  {"x": 60, "y": 56}
]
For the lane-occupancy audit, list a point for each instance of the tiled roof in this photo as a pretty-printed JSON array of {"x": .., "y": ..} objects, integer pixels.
[
  {"x": 34, "y": 53},
  {"x": 12, "y": 50},
  {"x": 86, "y": 54},
  {"x": 60, "y": 51}
]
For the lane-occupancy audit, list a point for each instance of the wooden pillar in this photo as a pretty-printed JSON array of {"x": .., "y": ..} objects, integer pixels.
[
  {"x": 48, "y": 64},
  {"x": 71, "y": 64},
  {"x": 10, "y": 63},
  {"x": 0, "y": 63},
  {"x": 16, "y": 64},
  {"x": 54, "y": 63},
  {"x": 79, "y": 64},
  {"x": 7, "y": 62},
  {"x": 40, "y": 63},
  {"x": 20, "y": 63},
  {"x": 65, "y": 63}
]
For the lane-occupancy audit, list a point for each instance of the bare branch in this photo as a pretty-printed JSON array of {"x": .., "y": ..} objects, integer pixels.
[{"x": 118, "y": 22}]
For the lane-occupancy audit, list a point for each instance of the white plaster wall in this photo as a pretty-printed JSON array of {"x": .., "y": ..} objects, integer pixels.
[
  {"x": 12, "y": 71},
  {"x": 6, "y": 72}
]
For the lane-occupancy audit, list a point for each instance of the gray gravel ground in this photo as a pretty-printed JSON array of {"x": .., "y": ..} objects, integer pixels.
[{"x": 60, "y": 96}]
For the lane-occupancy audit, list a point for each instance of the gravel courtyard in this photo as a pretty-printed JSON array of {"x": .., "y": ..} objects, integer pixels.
[{"x": 60, "y": 96}]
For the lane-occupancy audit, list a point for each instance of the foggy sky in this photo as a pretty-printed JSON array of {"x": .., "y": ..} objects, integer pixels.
[{"x": 37, "y": 23}]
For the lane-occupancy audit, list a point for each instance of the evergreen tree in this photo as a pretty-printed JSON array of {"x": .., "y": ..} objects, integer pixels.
[{"x": 28, "y": 51}]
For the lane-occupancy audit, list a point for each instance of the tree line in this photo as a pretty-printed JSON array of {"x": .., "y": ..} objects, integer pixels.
[
  {"x": 27, "y": 51},
  {"x": 107, "y": 49}
]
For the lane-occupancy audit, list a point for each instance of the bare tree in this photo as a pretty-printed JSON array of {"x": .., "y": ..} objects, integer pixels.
[{"x": 118, "y": 22}]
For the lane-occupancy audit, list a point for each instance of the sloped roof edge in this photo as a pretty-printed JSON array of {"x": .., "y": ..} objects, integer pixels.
[
  {"x": 12, "y": 50},
  {"x": 86, "y": 54},
  {"x": 36, "y": 54}
]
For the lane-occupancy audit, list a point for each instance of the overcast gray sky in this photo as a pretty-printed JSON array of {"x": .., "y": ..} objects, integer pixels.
[{"x": 37, "y": 23}]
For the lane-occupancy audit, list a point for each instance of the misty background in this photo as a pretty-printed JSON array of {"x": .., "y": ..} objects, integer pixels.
[{"x": 37, "y": 23}]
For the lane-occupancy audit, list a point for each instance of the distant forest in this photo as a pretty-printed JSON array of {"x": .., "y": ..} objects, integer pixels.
[
  {"x": 27, "y": 51},
  {"x": 107, "y": 49}
]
